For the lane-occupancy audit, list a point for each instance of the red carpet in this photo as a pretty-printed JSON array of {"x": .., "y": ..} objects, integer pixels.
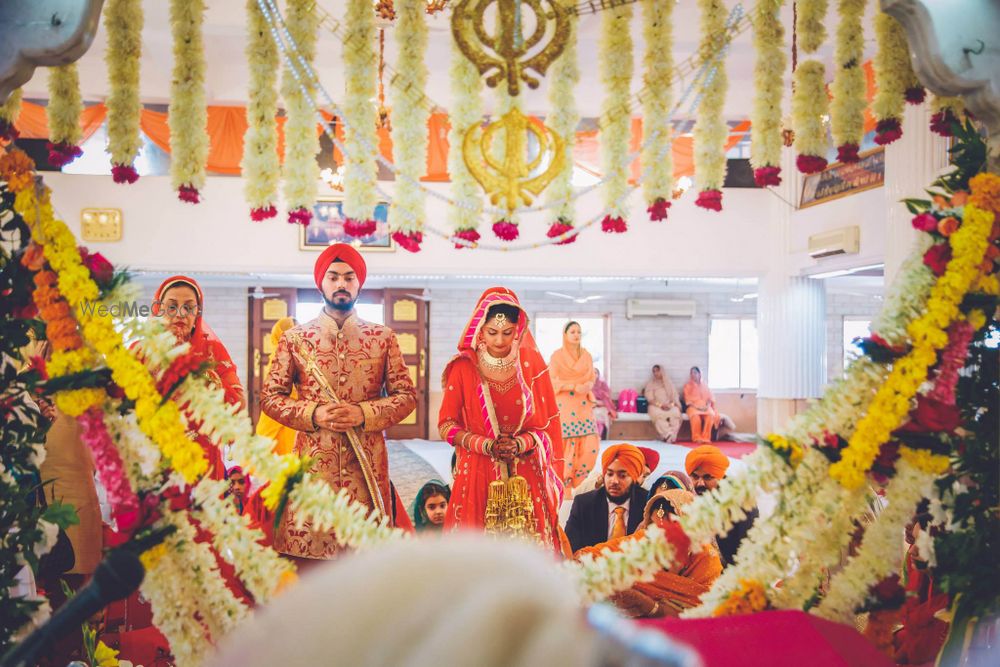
[{"x": 734, "y": 450}]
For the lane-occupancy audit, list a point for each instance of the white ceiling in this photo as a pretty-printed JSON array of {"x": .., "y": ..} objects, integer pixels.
[{"x": 226, "y": 80}]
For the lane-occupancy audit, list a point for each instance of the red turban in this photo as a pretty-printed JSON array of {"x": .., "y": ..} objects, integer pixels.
[
  {"x": 709, "y": 458},
  {"x": 651, "y": 456},
  {"x": 628, "y": 455},
  {"x": 340, "y": 252}
]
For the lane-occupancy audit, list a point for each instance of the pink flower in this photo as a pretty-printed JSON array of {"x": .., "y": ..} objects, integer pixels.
[
  {"x": 100, "y": 268},
  {"x": 506, "y": 230},
  {"x": 62, "y": 154},
  {"x": 937, "y": 258},
  {"x": 887, "y": 131},
  {"x": 915, "y": 95},
  {"x": 658, "y": 209},
  {"x": 765, "y": 176},
  {"x": 263, "y": 213},
  {"x": 943, "y": 122},
  {"x": 559, "y": 228},
  {"x": 124, "y": 173},
  {"x": 925, "y": 222},
  {"x": 952, "y": 361},
  {"x": 359, "y": 228},
  {"x": 299, "y": 216},
  {"x": 810, "y": 164},
  {"x": 189, "y": 194},
  {"x": 710, "y": 200},
  {"x": 610, "y": 225},
  {"x": 470, "y": 235},
  {"x": 108, "y": 463},
  {"x": 847, "y": 153},
  {"x": 409, "y": 240}
]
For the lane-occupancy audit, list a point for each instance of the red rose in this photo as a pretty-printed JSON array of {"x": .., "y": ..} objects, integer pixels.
[
  {"x": 124, "y": 173},
  {"x": 300, "y": 216},
  {"x": 810, "y": 164},
  {"x": 359, "y": 228},
  {"x": 101, "y": 270},
  {"x": 925, "y": 222},
  {"x": 943, "y": 122},
  {"x": 613, "y": 225},
  {"x": 506, "y": 230},
  {"x": 263, "y": 213},
  {"x": 915, "y": 95},
  {"x": 765, "y": 176},
  {"x": 937, "y": 258},
  {"x": 710, "y": 200},
  {"x": 888, "y": 131},
  {"x": 558, "y": 229},
  {"x": 934, "y": 416},
  {"x": 848, "y": 153},
  {"x": 409, "y": 241},
  {"x": 470, "y": 235},
  {"x": 658, "y": 209}
]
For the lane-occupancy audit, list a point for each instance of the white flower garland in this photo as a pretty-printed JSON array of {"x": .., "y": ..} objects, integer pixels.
[
  {"x": 907, "y": 295},
  {"x": 892, "y": 68},
  {"x": 616, "y": 120},
  {"x": 809, "y": 99},
  {"x": 11, "y": 107},
  {"x": 466, "y": 111},
  {"x": 123, "y": 21},
  {"x": 598, "y": 577},
  {"x": 315, "y": 501},
  {"x": 880, "y": 553},
  {"x": 301, "y": 143},
  {"x": 847, "y": 111},
  {"x": 658, "y": 61},
  {"x": 260, "y": 568},
  {"x": 65, "y": 105},
  {"x": 361, "y": 134},
  {"x": 188, "y": 115},
  {"x": 564, "y": 76},
  {"x": 141, "y": 458},
  {"x": 711, "y": 130},
  {"x": 769, "y": 73},
  {"x": 260, "y": 165},
  {"x": 409, "y": 117}
]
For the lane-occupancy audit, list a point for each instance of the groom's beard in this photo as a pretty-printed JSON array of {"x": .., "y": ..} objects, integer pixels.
[{"x": 336, "y": 301}]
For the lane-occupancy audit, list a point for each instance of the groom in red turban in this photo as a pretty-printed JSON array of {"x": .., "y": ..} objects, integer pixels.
[{"x": 352, "y": 384}]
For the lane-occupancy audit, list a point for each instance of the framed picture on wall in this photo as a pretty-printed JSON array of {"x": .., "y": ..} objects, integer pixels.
[{"x": 327, "y": 227}]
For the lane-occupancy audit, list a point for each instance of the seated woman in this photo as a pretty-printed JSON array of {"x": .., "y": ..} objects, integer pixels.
[
  {"x": 675, "y": 589},
  {"x": 672, "y": 479},
  {"x": 700, "y": 407},
  {"x": 430, "y": 506}
]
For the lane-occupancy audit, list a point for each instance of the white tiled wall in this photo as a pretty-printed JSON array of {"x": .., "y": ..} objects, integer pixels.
[{"x": 838, "y": 307}]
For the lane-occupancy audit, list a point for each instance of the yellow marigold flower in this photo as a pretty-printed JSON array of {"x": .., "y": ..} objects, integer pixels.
[
  {"x": 105, "y": 656},
  {"x": 934, "y": 464},
  {"x": 985, "y": 191},
  {"x": 150, "y": 557},
  {"x": 74, "y": 402}
]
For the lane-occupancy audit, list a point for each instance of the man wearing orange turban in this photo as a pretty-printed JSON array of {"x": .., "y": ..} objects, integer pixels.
[
  {"x": 707, "y": 466},
  {"x": 340, "y": 382},
  {"x": 615, "y": 509}
]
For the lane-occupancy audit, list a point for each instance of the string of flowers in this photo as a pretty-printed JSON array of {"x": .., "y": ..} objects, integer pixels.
[
  {"x": 187, "y": 115},
  {"x": 108, "y": 463},
  {"x": 315, "y": 501},
  {"x": 947, "y": 113},
  {"x": 710, "y": 129},
  {"x": 748, "y": 599},
  {"x": 879, "y": 554},
  {"x": 259, "y": 568},
  {"x": 892, "y": 76},
  {"x": 847, "y": 111},
  {"x": 301, "y": 170},
  {"x": 658, "y": 60},
  {"x": 928, "y": 333},
  {"x": 63, "y": 112},
  {"x": 616, "y": 74},
  {"x": 769, "y": 74},
  {"x": 952, "y": 361},
  {"x": 508, "y": 227},
  {"x": 809, "y": 98},
  {"x": 361, "y": 133},
  {"x": 466, "y": 111},
  {"x": 260, "y": 165},
  {"x": 409, "y": 126},
  {"x": 564, "y": 75},
  {"x": 9, "y": 111},
  {"x": 123, "y": 21},
  {"x": 140, "y": 457},
  {"x": 598, "y": 577}
]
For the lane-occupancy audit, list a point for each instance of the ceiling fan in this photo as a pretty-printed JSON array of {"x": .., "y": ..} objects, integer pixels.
[
  {"x": 576, "y": 299},
  {"x": 258, "y": 293}
]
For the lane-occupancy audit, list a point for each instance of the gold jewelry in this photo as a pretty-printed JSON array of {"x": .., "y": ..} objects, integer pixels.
[
  {"x": 500, "y": 319},
  {"x": 492, "y": 363}
]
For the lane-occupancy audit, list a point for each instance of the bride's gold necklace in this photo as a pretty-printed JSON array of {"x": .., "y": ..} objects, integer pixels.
[{"x": 499, "y": 373}]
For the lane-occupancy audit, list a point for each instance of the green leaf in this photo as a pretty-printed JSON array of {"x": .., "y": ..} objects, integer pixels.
[{"x": 62, "y": 514}]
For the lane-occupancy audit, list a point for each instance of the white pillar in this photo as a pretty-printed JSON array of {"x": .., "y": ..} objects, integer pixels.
[{"x": 911, "y": 164}]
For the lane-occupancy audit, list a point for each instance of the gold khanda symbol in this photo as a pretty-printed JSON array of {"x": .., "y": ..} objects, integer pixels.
[
  {"x": 507, "y": 50},
  {"x": 508, "y": 179}
]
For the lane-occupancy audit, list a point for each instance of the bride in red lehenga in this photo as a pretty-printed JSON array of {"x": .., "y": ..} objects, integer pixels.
[{"x": 500, "y": 413}]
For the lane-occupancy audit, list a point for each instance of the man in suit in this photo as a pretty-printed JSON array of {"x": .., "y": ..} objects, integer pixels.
[{"x": 615, "y": 509}]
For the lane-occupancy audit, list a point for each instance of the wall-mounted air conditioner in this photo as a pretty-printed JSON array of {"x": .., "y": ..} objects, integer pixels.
[
  {"x": 659, "y": 308},
  {"x": 843, "y": 241}
]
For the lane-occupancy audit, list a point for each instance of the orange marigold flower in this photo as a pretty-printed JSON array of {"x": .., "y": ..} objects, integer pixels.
[
  {"x": 959, "y": 198},
  {"x": 985, "y": 191},
  {"x": 17, "y": 169},
  {"x": 46, "y": 278},
  {"x": 33, "y": 258},
  {"x": 948, "y": 225}
]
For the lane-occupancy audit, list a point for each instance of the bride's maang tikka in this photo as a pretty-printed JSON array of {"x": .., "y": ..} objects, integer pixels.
[{"x": 500, "y": 320}]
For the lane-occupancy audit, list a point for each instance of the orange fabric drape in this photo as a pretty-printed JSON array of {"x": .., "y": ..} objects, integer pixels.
[
  {"x": 32, "y": 122},
  {"x": 438, "y": 126},
  {"x": 384, "y": 144}
]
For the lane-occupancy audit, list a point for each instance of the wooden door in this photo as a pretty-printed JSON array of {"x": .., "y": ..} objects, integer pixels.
[
  {"x": 278, "y": 302},
  {"x": 409, "y": 317}
]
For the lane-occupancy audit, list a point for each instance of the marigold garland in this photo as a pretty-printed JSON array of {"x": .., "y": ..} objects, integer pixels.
[
  {"x": 63, "y": 112},
  {"x": 123, "y": 21},
  {"x": 260, "y": 164},
  {"x": 564, "y": 75},
  {"x": 466, "y": 111},
  {"x": 598, "y": 577},
  {"x": 301, "y": 170},
  {"x": 360, "y": 132},
  {"x": 711, "y": 130},
  {"x": 658, "y": 63},
  {"x": 616, "y": 119},
  {"x": 9, "y": 111},
  {"x": 187, "y": 115},
  {"x": 769, "y": 71},
  {"x": 893, "y": 74},
  {"x": 848, "y": 106},
  {"x": 749, "y": 599},
  {"x": 409, "y": 125}
]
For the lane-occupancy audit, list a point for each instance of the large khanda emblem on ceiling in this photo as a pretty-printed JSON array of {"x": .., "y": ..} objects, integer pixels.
[
  {"x": 508, "y": 173},
  {"x": 526, "y": 36}
]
